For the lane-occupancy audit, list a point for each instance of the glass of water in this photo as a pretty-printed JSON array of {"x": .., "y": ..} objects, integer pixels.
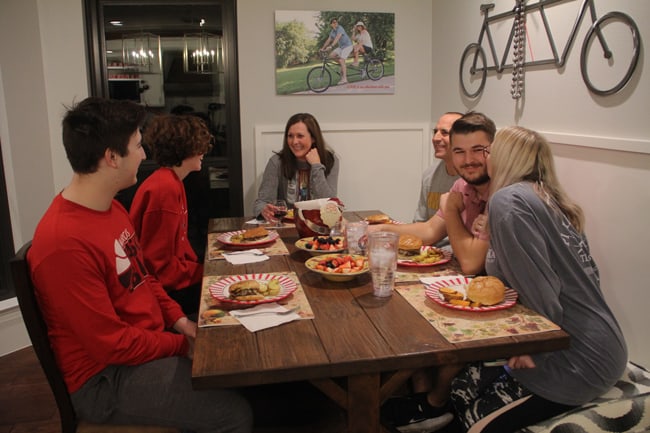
[
  {"x": 382, "y": 255},
  {"x": 356, "y": 234}
]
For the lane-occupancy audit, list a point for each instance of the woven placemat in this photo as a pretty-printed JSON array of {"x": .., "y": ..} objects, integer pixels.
[
  {"x": 458, "y": 326},
  {"x": 296, "y": 300}
]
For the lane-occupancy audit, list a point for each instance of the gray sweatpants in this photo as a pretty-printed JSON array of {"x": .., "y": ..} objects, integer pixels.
[{"x": 160, "y": 393}]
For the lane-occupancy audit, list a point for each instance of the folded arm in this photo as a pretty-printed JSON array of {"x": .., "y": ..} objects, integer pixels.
[{"x": 469, "y": 250}]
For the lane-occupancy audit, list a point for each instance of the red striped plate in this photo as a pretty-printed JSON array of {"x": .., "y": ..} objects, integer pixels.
[
  {"x": 446, "y": 256},
  {"x": 219, "y": 289},
  {"x": 460, "y": 283},
  {"x": 225, "y": 238}
]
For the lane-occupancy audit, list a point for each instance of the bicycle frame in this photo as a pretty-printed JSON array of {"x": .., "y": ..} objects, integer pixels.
[
  {"x": 332, "y": 64},
  {"x": 556, "y": 60}
]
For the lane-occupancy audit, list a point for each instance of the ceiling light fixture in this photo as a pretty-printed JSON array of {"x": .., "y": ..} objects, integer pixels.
[
  {"x": 141, "y": 50},
  {"x": 202, "y": 53}
]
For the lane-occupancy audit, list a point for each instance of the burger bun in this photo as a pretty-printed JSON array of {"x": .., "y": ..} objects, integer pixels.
[
  {"x": 378, "y": 219},
  {"x": 246, "y": 290},
  {"x": 255, "y": 233},
  {"x": 486, "y": 290},
  {"x": 409, "y": 245}
]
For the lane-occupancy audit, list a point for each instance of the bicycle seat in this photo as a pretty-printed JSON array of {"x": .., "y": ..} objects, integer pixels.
[{"x": 487, "y": 6}]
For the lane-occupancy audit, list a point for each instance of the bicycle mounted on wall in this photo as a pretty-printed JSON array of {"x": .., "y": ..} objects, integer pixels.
[
  {"x": 319, "y": 78},
  {"x": 474, "y": 67}
]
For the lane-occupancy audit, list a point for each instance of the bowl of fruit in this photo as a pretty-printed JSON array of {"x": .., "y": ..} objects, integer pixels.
[
  {"x": 316, "y": 245},
  {"x": 338, "y": 267}
]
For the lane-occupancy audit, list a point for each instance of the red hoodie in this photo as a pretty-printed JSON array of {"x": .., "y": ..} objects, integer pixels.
[
  {"x": 100, "y": 304},
  {"x": 159, "y": 214}
]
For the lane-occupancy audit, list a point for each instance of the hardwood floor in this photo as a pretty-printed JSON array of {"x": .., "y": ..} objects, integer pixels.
[{"x": 27, "y": 404}]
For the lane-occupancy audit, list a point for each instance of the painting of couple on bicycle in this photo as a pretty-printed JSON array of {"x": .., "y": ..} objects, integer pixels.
[{"x": 334, "y": 52}]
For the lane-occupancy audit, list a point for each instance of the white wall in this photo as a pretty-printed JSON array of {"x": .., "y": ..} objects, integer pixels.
[
  {"x": 43, "y": 67},
  {"x": 261, "y": 106},
  {"x": 611, "y": 185},
  {"x": 368, "y": 154}
]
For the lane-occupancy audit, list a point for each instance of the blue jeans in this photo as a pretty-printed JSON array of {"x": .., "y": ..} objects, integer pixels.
[{"x": 160, "y": 393}]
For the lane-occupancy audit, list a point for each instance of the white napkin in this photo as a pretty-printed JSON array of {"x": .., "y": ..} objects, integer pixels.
[
  {"x": 264, "y": 316},
  {"x": 431, "y": 280},
  {"x": 247, "y": 256},
  {"x": 255, "y": 221},
  {"x": 311, "y": 204}
]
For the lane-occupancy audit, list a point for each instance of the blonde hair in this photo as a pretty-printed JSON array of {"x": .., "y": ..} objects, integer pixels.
[{"x": 518, "y": 154}]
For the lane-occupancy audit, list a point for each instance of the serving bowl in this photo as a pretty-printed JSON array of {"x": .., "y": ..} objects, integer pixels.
[
  {"x": 317, "y": 217},
  {"x": 307, "y": 244},
  {"x": 338, "y": 274}
]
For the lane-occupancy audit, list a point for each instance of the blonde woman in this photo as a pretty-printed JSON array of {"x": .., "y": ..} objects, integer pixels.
[{"x": 538, "y": 247}]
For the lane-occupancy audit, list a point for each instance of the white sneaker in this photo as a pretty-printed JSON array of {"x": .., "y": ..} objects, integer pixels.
[{"x": 427, "y": 425}]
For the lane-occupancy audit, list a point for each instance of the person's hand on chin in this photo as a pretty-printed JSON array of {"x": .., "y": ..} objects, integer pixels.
[{"x": 312, "y": 156}]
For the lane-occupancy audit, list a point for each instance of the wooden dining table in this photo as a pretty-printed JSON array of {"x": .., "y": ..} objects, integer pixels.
[{"x": 357, "y": 349}]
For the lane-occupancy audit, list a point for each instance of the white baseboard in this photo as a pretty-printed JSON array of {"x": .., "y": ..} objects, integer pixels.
[{"x": 13, "y": 335}]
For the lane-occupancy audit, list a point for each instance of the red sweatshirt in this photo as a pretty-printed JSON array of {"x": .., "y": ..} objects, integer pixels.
[
  {"x": 159, "y": 214},
  {"x": 100, "y": 304}
]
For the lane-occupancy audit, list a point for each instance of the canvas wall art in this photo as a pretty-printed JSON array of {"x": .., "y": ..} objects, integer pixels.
[{"x": 334, "y": 52}]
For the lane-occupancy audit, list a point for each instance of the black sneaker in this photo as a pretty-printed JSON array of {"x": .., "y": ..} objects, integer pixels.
[{"x": 414, "y": 414}]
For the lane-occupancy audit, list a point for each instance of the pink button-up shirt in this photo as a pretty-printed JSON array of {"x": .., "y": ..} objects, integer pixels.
[{"x": 474, "y": 205}]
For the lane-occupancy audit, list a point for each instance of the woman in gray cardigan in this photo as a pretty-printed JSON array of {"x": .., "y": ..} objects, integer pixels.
[{"x": 305, "y": 168}]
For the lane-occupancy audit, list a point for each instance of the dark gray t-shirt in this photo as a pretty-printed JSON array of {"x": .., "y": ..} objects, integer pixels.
[{"x": 537, "y": 252}]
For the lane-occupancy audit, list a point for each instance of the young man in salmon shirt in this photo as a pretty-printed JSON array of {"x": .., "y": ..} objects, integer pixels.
[
  {"x": 462, "y": 214},
  {"x": 110, "y": 321}
]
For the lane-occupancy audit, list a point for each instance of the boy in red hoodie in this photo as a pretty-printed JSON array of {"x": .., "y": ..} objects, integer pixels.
[{"x": 109, "y": 320}]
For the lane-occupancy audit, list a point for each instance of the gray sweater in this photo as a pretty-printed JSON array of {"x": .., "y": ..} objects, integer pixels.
[
  {"x": 275, "y": 186},
  {"x": 537, "y": 252}
]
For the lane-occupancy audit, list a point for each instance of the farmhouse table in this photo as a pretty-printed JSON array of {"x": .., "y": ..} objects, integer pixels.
[{"x": 357, "y": 349}]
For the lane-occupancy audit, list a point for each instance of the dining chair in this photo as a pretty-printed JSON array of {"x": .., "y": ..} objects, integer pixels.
[{"x": 37, "y": 330}]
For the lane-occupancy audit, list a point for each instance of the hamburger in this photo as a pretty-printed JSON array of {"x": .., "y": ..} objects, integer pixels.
[
  {"x": 409, "y": 246},
  {"x": 378, "y": 219},
  {"x": 246, "y": 290},
  {"x": 486, "y": 290},
  {"x": 254, "y": 234}
]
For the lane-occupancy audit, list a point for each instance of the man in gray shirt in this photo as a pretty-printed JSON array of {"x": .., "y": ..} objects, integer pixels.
[{"x": 438, "y": 178}]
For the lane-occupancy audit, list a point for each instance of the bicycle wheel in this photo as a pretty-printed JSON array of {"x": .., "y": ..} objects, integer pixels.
[
  {"x": 473, "y": 70},
  {"x": 606, "y": 73},
  {"x": 319, "y": 79},
  {"x": 375, "y": 69}
]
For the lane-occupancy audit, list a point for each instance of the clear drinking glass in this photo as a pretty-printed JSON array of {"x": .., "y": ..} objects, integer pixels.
[
  {"x": 382, "y": 255},
  {"x": 356, "y": 234}
]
